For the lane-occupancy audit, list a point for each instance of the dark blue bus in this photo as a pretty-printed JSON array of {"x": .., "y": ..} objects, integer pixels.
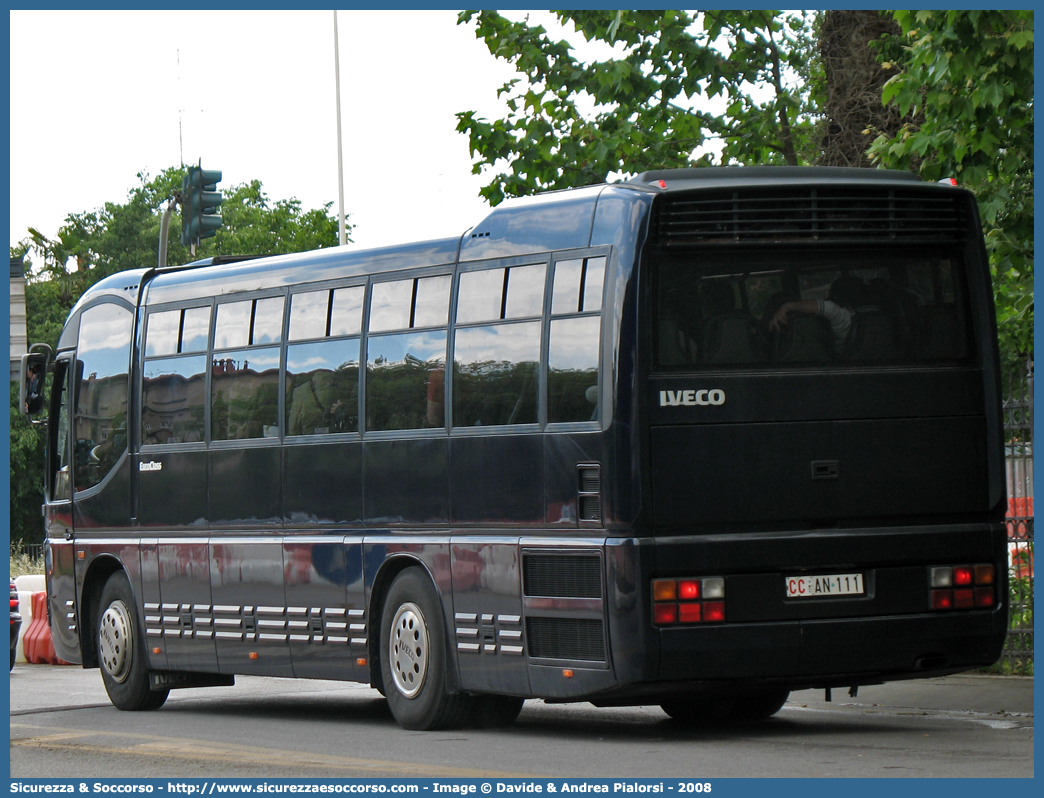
[{"x": 694, "y": 440}]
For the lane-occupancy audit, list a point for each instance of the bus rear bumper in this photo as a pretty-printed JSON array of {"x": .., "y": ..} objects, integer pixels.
[{"x": 834, "y": 652}]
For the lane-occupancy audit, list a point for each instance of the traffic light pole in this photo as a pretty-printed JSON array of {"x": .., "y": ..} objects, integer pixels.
[{"x": 164, "y": 228}]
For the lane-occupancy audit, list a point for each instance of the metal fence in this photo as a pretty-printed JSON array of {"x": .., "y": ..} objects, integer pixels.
[
  {"x": 1018, "y": 429},
  {"x": 1018, "y": 655}
]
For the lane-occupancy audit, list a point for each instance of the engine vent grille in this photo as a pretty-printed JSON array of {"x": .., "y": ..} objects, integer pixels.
[
  {"x": 562, "y": 575},
  {"x": 566, "y": 638},
  {"x": 808, "y": 213}
]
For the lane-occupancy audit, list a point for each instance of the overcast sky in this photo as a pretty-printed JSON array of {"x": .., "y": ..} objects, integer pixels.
[{"x": 97, "y": 97}]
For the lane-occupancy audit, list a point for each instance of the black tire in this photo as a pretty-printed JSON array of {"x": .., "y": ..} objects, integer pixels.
[
  {"x": 121, "y": 649},
  {"x": 413, "y": 657},
  {"x": 731, "y": 708},
  {"x": 495, "y": 711},
  {"x": 12, "y": 658}
]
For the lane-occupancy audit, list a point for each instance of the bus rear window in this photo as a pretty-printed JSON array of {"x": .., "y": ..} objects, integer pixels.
[{"x": 808, "y": 308}]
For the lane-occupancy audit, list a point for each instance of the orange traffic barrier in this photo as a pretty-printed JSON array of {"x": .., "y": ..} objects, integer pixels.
[{"x": 36, "y": 642}]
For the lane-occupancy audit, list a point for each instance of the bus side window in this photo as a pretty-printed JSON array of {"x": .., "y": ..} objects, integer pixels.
[
  {"x": 100, "y": 417},
  {"x": 405, "y": 372},
  {"x": 244, "y": 386},
  {"x": 573, "y": 348},
  {"x": 496, "y": 365},
  {"x": 59, "y": 482}
]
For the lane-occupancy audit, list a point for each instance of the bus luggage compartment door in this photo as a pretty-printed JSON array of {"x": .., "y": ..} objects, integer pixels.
[{"x": 818, "y": 471}]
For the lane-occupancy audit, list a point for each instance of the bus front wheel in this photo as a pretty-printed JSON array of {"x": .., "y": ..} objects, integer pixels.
[
  {"x": 413, "y": 660},
  {"x": 121, "y": 649}
]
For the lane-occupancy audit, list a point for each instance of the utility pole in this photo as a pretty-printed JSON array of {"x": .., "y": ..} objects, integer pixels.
[{"x": 340, "y": 162}]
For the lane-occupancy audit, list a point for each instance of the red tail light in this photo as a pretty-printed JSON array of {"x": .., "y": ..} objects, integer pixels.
[
  {"x": 961, "y": 587},
  {"x": 688, "y": 601}
]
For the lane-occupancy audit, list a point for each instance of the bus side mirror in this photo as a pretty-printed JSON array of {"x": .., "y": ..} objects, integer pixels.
[{"x": 33, "y": 373}]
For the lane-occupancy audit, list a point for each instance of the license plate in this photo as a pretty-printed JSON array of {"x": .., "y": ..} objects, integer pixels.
[{"x": 824, "y": 585}]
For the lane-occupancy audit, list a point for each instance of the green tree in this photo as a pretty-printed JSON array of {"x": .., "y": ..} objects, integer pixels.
[
  {"x": 967, "y": 78},
  {"x": 941, "y": 93},
  {"x": 94, "y": 244},
  {"x": 573, "y": 123}
]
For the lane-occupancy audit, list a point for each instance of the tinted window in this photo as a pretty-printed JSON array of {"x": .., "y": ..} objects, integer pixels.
[
  {"x": 322, "y": 387},
  {"x": 494, "y": 294},
  {"x": 268, "y": 321},
  {"x": 245, "y": 395},
  {"x": 432, "y": 305},
  {"x": 346, "y": 310},
  {"x": 173, "y": 400},
  {"x": 525, "y": 291},
  {"x": 163, "y": 332},
  {"x": 233, "y": 325},
  {"x": 813, "y": 307},
  {"x": 308, "y": 315},
  {"x": 480, "y": 296},
  {"x": 257, "y": 321},
  {"x": 405, "y": 304},
  {"x": 405, "y": 377},
  {"x": 172, "y": 331},
  {"x": 195, "y": 329},
  {"x": 391, "y": 305},
  {"x": 572, "y": 369},
  {"x": 100, "y": 414},
  {"x": 578, "y": 285},
  {"x": 495, "y": 374}
]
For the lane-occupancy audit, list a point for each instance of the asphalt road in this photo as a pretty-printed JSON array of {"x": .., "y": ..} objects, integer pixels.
[{"x": 63, "y": 726}]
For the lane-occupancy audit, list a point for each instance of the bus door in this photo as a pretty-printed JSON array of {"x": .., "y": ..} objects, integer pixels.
[{"x": 57, "y": 510}]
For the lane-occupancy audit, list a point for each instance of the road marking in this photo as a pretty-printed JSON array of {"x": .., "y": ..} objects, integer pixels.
[{"x": 230, "y": 753}]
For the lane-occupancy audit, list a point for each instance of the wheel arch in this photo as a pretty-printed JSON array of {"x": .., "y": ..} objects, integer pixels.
[
  {"x": 98, "y": 573},
  {"x": 386, "y": 574}
]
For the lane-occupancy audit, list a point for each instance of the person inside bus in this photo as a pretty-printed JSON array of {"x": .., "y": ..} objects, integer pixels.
[{"x": 848, "y": 295}]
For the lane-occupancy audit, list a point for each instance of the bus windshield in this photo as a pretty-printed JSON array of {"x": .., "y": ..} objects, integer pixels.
[{"x": 808, "y": 307}]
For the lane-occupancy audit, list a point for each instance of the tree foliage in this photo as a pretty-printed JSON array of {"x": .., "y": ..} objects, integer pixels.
[
  {"x": 573, "y": 123},
  {"x": 967, "y": 77},
  {"x": 94, "y": 244},
  {"x": 941, "y": 93}
]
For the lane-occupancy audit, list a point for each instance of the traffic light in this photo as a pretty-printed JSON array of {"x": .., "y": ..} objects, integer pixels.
[{"x": 200, "y": 202}]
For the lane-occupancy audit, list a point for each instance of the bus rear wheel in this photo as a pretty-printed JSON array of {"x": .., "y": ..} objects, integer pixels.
[
  {"x": 742, "y": 707},
  {"x": 121, "y": 650},
  {"x": 413, "y": 657}
]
